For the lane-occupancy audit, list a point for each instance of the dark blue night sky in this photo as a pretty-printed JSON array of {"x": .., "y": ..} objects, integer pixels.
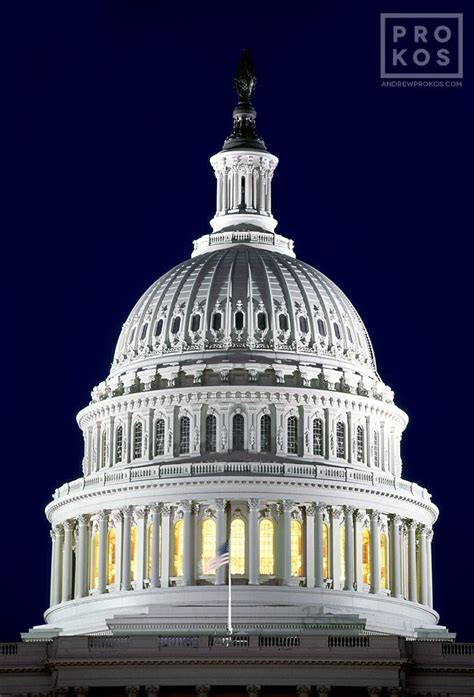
[{"x": 118, "y": 112}]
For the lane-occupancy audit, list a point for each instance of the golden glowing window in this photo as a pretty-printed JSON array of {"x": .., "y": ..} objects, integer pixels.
[
  {"x": 208, "y": 544},
  {"x": 325, "y": 551},
  {"x": 365, "y": 556},
  {"x": 94, "y": 580},
  {"x": 178, "y": 548},
  {"x": 267, "y": 561},
  {"x": 111, "y": 555},
  {"x": 383, "y": 560},
  {"x": 133, "y": 553},
  {"x": 342, "y": 537},
  {"x": 237, "y": 546},
  {"x": 296, "y": 548}
]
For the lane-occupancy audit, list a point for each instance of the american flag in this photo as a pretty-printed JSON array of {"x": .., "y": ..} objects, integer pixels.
[{"x": 220, "y": 559}]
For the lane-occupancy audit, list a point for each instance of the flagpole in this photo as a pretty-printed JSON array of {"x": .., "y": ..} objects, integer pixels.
[{"x": 229, "y": 609}]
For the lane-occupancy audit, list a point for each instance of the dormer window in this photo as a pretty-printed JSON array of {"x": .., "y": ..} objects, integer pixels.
[
  {"x": 132, "y": 336},
  {"x": 195, "y": 323},
  {"x": 349, "y": 334},
  {"x": 159, "y": 327},
  {"x": 176, "y": 325},
  {"x": 322, "y": 327},
  {"x": 303, "y": 322},
  {"x": 217, "y": 321},
  {"x": 283, "y": 322},
  {"x": 144, "y": 331},
  {"x": 261, "y": 321},
  {"x": 239, "y": 320},
  {"x": 337, "y": 330}
]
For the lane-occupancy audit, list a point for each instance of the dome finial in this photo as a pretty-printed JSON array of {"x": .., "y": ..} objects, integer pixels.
[
  {"x": 244, "y": 134},
  {"x": 245, "y": 78}
]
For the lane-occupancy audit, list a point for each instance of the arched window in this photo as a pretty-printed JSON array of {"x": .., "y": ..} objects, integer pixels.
[
  {"x": 383, "y": 560},
  {"x": 137, "y": 440},
  {"x": 149, "y": 542},
  {"x": 267, "y": 560},
  {"x": 119, "y": 444},
  {"x": 132, "y": 336},
  {"x": 366, "y": 556},
  {"x": 211, "y": 433},
  {"x": 208, "y": 545},
  {"x": 238, "y": 432},
  {"x": 342, "y": 540},
  {"x": 111, "y": 555},
  {"x": 133, "y": 553},
  {"x": 175, "y": 325},
  {"x": 325, "y": 551},
  {"x": 261, "y": 321},
  {"x": 195, "y": 323},
  {"x": 340, "y": 439},
  {"x": 237, "y": 546},
  {"x": 184, "y": 435},
  {"x": 318, "y": 437},
  {"x": 303, "y": 322},
  {"x": 265, "y": 434},
  {"x": 178, "y": 547},
  {"x": 217, "y": 321},
  {"x": 159, "y": 327},
  {"x": 322, "y": 327},
  {"x": 349, "y": 334},
  {"x": 144, "y": 331},
  {"x": 94, "y": 579},
  {"x": 103, "y": 454},
  {"x": 376, "y": 449},
  {"x": 360, "y": 444},
  {"x": 337, "y": 330},
  {"x": 296, "y": 539},
  {"x": 159, "y": 437},
  {"x": 283, "y": 322},
  {"x": 292, "y": 435},
  {"x": 239, "y": 320}
]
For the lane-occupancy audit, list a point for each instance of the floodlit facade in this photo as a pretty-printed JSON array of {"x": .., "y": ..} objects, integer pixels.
[{"x": 243, "y": 404}]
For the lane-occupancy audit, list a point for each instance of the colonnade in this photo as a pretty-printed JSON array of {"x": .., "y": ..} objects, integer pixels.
[{"x": 278, "y": 543}]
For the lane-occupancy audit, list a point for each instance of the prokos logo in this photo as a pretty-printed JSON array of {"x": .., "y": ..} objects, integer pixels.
[{"x": 421, "y": 45}]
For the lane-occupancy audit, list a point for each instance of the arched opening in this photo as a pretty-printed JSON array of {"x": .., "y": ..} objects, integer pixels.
[
  {"x": 261, "y": 321},
  {"x": 211, "y": 433},
  {"x": 137, "y": 440},
  {"x": 178, "y": 547},
  {"x": 325, "y": 551},
  {"x": 303, "y": 322},
  {"x": 383, "y": 560},
  {"x": 184, "y": 435},
  {"x": 149, "y": 543},
  {"x": 208, "y": 545},
  {"x": 366, "y": 556},
  {"x": 265, "y": 434},
  {"x": 239, "y": 320},
  {"x": 292, "y": 435},
  {"x": 317, "y": 437},
  {"x": 195, "y": 323},
  {"x": 296, "y": 540},
  {"x": 159, "y": 437},
  {"x": 94, "y": 579},
  {"x": 267, "y": 555},
  {"x": 217, "y": 321},
  {"x": 238, "y": 432},
  {"x": 283, "y": 322},
  {"x": 342, "y": 556},
  {"x": 133, "y": 553},
  {"x": 111, "y": 555},
  {"x": 237, "y": 546}
]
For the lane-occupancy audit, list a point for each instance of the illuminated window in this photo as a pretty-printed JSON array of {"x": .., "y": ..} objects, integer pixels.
[
  {"x": 238, "y": 432},
  {"x": 159, "y": 437},
  {"x": 104, "y": 449},
  {"x": 217, "y": 321},
  {"x": 94, "y": 580},
  {"x": 239, "y": 321},
  {"x": 366, "y": 556},
  {"x": 265, "y": 434},
  {"x": 195, "y": 323},
  {"x": 303, "y": 322},
  {"x": 137, "y": 440},
  {"x": 337, "y": 330},
  {"x": 283, "y": 322},
  {"x": 178, "y": 548},
  {"x": 342, "y": 538},
  {"x": 175, "y": 325},
  {"x": 150, "y": 547},
  {"x": 317, "y": 437},
  {"x": 111, "y": 555},
  {"x": 119, "y": 444},
  {"x": 360, "y": 444},
  {"x": 133, "y": 553},
  {"x": 322, "y": 327},
  {"x": 261, "y": 321},
  {"x": 383, "y": 560},
  {"x": 211, "y": 433},
  {"x": 267, "y": 565},
  {"x": 237, "y": 546},
  {"x": 292, "y": 435},
  {"x": 159, "y": 327},
  {"x": 208, "y": 544},
  {"x": 296, "y": 537},
  {"x": 144, "y": 331},
  {"x": 376, "y": 449},
  {"x": 184, "y": 435},
  {"x": 325, "y": 551},
  {"x": 340, "y": 439}
]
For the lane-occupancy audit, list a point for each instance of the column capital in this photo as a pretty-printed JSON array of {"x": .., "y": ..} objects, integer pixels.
[
  {"x": 373, "y": 691},
  {"x": 152, "y": 690},
  {"x": 220, "y": 504},
  {"x": 429, "y": 534},
  {"x": 69, "y": 525},
  {"x": 396, "y": 519},
  {"x": 422, "y": 529},
  {"x": 349, "y": 510},
  {"x": 187, "y": 505},
  {"x": 165, "y": 510},
  {"x": 322, "y": 690},
  {"x": 102, "y": 516},
  {"x": 374, "y": 515},
  {"x": 412, "y": 525},
  {"x": 115, "y": 517},
  {"x": 203, "y": 690},
  {"x": 140, "y": 512},
  {"x": 127, "y": 511},
  {"x": 303, "y": 690},
  {"x": 58, "y": 530},
  {"x": 310, "y": 509},
  {"x": 83, "y": 519},
  {"x": 253, "y": 505},
  {"x": 81, "y": 690},
  {"x": 132, "y": 691},
  {"x": 286, "y": 505},
  {"x": 155, "y": 508},
  {"x": 253, "y": 690},
  {"x": 336, "y": 512},
  {"x": 360, "y": 516}
]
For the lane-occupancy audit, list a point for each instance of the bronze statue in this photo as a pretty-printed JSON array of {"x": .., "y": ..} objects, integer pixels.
[{"x": 245, "y": 78}]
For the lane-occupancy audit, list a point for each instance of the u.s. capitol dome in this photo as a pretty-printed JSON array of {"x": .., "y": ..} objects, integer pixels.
[{"x": 243, "y": 404}]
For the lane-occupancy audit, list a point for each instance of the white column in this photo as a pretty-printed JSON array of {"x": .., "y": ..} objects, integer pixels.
[
  {"x": 423, "y": 565},
  {"x": 225, "y": 186},
  {"x": 154, "y": 550},
  {"x": 187, "y": 542},
  {"x": 81, "y": 571},
  {"x": 349, "y": 548},
  {"x": 412, "y": 581},
  {"x": 165, "y": 546},
  {"x": 319, "y": 547},
  {"x": 53, "y": 559},
  {"x": 67, "y": 561},
  {"x": 219, "y": 192},
  {"x": 429, "y": 539},
  {"x": 236, "y": 187},
  {"x": 335, "y": 537},
  {"x": 103, "y": 519},
  {"x": 310, "y": 545},
  {"x": 396, "y": 557},
  {"x": 221, "y": 536},
  {"x": 374, "y": 552},
  {"x": 58, "y": 533},
  {"x": 286, "y": 507},
  {"x": 248, "y": 187},
  {"x": 358, "y": 522},
  {"x": 261, "y": 189},
  {"x": 140, "y": 517},
  {"x": 126, "y": 530},
  {"x": 269, "y": 192},
  {"x": 253, "y": 541}
]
